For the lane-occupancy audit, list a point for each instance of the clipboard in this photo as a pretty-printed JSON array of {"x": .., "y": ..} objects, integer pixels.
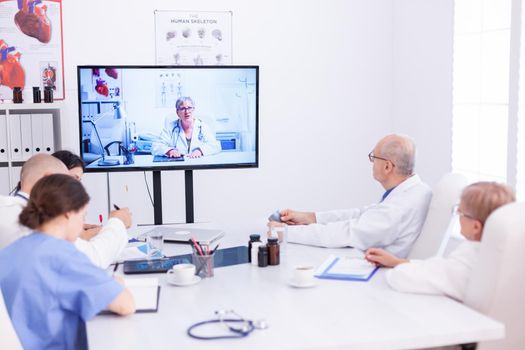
[{"x": 346, "y": 268}]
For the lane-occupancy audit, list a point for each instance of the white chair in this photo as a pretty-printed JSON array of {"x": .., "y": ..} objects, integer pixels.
[
  {"x": 439, "y": 221},
  {"x": 8, "y": 337},
  {"x": 497, "y": 286}
]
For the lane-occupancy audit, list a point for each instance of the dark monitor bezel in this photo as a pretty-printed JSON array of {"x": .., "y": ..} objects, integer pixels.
[{"x": 160, "y": 167}]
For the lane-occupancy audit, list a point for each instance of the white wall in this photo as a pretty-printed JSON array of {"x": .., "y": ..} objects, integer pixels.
[
  {"x": 422, "y": 81},
  {"x": 333, "y": 80}
]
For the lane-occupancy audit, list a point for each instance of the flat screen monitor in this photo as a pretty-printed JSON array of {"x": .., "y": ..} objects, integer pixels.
[{"x": 168, "y": 117}]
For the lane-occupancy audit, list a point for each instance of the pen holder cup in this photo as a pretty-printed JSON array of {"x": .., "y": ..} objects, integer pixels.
[
  {"x": 203, "y": 265},
  {"x": 129, "y": 158}
]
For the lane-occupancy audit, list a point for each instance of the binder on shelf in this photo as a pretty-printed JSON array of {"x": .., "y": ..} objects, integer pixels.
[
  {"x": 349, "y": 268},
  {"x": 3, "y": 138},
  {"x": 15, "y": 137},
  {"x": 26, "y": 134},
  {"x": 4, "y": 181},
  {"x": 48, "y": 133},
  {"x": 37, "y": 133}
]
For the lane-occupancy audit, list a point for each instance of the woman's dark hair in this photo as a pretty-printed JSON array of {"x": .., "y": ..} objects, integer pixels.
[
  {"x": 52, "y": 196},
  {"x": 70, "y": 159}
]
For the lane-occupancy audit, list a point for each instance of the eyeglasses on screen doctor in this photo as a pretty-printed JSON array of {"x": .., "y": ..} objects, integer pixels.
[
  {"x": 371, "y": 157},
  {"x": 185, "y": 109}
]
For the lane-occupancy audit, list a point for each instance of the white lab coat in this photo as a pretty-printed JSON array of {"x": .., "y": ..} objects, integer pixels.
[
  {"x": 443, "y": 276},
  {"x": 394, "y": 224},
  {"x": 172, "y": 137},
  {"x": 10, "y": 229},
  {"x": 102, "y": 249}
]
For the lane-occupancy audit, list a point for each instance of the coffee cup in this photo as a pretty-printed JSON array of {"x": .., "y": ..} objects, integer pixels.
[
  {"x": 303, "y": 274},
  {"x": 181, "y": 273}
]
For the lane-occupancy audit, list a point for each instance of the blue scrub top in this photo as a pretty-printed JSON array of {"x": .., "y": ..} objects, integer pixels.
[{"x": 50, "y": 288}]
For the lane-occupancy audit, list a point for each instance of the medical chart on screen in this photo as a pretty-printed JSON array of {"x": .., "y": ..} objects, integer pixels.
[
  {"x": 31, "y": 47},
  {"x": 193, "y": 38}
]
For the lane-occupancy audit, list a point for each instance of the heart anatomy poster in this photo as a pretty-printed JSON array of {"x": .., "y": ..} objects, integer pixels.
[
  {"x": 31, "y": 47},
  {"x": 193, "y": 38}
]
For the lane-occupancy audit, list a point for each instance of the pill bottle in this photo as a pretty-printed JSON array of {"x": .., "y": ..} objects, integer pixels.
[
  {"x": 37, "y": 96},
  {"x": 253, "y": 238},
  {"x": 273, "y": 251},
  {"x": 17, "y": 95},
  {"x": 255, "y": 251},
  {"x": 262, "y": 256},
  {"x": 48, "y": 94}
]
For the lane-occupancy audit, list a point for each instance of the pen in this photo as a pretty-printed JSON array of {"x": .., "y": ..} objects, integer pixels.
[
  {"x": 214, "y": 249},
  {"x": 197, "y": 247},
  {"x": 116, "y": 267},
  {"x": 116, "y": 207}
]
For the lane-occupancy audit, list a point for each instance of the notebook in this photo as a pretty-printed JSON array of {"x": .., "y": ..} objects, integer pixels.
[
  {"x": 145, "y": 291},
  {"x": 183, "y": 235}
]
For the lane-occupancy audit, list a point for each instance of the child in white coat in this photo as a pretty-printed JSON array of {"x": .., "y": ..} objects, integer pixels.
[{"x": 448, "y": 276}]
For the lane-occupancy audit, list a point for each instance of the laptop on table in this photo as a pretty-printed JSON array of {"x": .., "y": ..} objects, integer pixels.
[{"x": 183, "y": 235}]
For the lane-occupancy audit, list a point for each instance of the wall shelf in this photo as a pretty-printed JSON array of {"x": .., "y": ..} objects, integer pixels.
[{"x": 26, "y": 129}]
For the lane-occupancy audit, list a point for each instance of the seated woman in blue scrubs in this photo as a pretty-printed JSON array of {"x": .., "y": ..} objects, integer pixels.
[{"x": 50, "y": 288}]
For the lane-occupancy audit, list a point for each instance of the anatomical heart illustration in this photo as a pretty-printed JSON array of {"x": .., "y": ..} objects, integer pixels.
[
  {"x": 102, "y": 87},
  {"x": 32, "y": 20},
  {"x": 49, "y": 75},
  {"x": 112, "y": 73},
  {"x": 11, "y": 71}
]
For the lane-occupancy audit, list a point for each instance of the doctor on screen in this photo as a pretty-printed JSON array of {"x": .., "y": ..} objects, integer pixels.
[{"x": 186, "y": 136}]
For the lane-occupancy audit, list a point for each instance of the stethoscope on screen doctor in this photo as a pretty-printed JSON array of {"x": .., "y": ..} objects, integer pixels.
[
  {"x": 178, "y": 129},
  {"x": 239, "y": 326}
]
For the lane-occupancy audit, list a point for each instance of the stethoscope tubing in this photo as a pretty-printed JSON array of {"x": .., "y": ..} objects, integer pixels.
[{"x": 239, "y": 333}]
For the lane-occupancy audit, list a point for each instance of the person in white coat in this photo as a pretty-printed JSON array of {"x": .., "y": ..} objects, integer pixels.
[
  {"x": 393, "y": 224},
  {"x": 186, "y": 135},
  {"x": 102, "y": 249},
  {"x": 448, "y": 276}
]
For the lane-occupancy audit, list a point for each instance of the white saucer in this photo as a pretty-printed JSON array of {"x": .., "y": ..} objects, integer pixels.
[
  {"x": 307, "y": 284},
  {"x": 195, "y": 279}
]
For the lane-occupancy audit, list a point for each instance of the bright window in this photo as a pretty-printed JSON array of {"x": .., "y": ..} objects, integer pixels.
[{"x": 481, "y": 89}]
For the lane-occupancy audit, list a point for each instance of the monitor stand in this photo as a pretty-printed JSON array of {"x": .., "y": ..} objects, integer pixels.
[{"x": 157, "y": 196}]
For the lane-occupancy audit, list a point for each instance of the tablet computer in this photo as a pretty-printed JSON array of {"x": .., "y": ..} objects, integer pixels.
[
  {"x": 222, "y": 257},
  {"x": 155, "y": 265}
]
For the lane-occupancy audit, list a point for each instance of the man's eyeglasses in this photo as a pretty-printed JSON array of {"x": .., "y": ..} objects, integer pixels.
[
  {"x": 185, "y": 109},
  {"x": 371, "y": 157}
]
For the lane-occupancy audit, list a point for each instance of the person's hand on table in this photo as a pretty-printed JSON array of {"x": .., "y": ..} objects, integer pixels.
[
  {"x": 381, "y": 257},
  {"x": 195, "y": 154},
  {"x": 173, "y": 153}
]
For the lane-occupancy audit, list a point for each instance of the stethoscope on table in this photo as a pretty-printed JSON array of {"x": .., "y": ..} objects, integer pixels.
[{"x": 239, "y": 326}]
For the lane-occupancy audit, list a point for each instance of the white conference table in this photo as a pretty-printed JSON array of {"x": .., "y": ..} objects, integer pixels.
[{"x": 331, "y": 315}]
